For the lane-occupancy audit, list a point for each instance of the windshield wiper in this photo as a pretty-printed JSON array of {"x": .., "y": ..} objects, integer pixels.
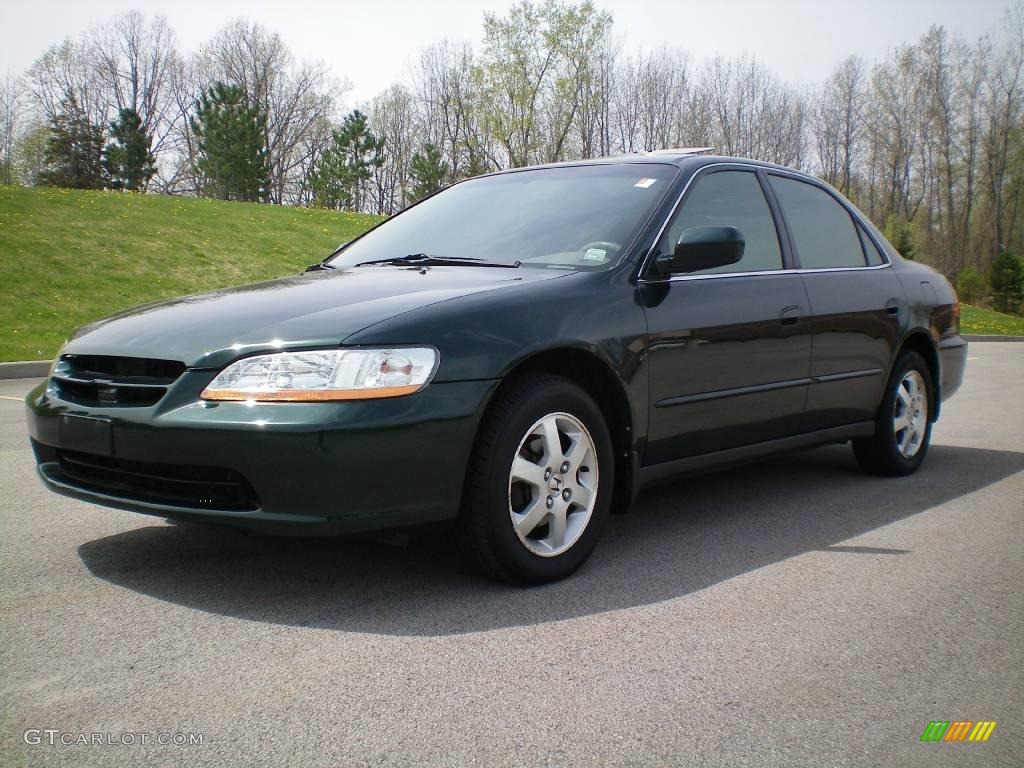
[
  {"x": 323, "y": 265},
  {"x": 426, "y": 260}
]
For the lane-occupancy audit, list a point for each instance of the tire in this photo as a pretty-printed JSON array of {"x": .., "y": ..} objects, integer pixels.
[
  {"x": 894, "y": 451},
  {"x": 530, "y": 514}
]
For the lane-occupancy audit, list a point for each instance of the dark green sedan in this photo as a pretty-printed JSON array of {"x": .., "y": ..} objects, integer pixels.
[{"x": 518, "y": 355}]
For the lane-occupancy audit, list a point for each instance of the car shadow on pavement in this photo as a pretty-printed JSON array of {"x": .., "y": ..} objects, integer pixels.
[{"x": 678, "y": 539}]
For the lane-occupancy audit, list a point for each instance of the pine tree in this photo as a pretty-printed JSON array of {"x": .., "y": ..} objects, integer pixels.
[
  {"x": 74, "y": 150},
  {"x": 347, "y": 164},
  {"x": 128, "y": 158},
  {"x": 428, "y": 172},
  {"x": 231, "y": 138},
  {"x": 1007, "y": 281},
  {"x": 477, "y": 165}
]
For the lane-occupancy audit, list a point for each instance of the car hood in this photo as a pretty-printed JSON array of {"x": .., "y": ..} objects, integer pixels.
[{"x": 319, "y": 308}]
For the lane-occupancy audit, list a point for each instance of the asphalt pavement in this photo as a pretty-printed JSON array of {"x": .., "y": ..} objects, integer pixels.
[{"x": 788, "y": 613}]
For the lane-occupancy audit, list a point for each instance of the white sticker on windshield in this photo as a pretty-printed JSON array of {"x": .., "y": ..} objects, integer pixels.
[
  {"x": 644, "y": 183},
  {"x": 595, "y": 254}
]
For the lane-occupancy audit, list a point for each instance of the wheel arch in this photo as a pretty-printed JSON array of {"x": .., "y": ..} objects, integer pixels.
[
  {"x": 920, "y": 341},
  {"x": 595, "y": 376}
]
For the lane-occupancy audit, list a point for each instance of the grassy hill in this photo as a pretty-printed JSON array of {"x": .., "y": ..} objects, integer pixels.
[
  {"x": 68, "y": 257},
  {"x": 989, "y": 322}
]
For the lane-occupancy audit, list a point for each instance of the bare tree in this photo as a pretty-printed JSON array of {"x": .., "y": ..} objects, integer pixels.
[
  {"x": 134, "y": 59},
  {"x": 12, "y": 106},
  {"x": 1004, "y": 107},
  {"x": 65, "y": 72},
  {"x": 392, "y": 117},
  {"x": 748, "y": 111},
  {"x": 595, "y": 90},
  {"x": 662, "y": 84},
  {"x": 898, "y": 106},
  {"x": 449, "y": 113},
  {"x": 838, "y": 123},
  {"x": 626, "y": 109},
  {"x": 177, "y": 170}
]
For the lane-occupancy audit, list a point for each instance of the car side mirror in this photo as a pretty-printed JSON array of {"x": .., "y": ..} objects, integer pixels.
[{"x": 703, "y": 248}]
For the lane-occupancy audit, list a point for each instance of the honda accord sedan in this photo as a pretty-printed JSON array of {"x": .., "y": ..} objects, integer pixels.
[{"x": 517, "y": 355}]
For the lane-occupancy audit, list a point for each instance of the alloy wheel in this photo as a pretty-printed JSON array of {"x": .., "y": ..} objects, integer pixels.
[
  {"x": 552, "y": 485},
  {"x": 910, "y": 415}
]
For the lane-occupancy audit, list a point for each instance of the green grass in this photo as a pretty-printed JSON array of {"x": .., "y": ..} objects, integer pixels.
[
  {"x": 985, "y": 321},
  {"x": 68, "y": 257}
]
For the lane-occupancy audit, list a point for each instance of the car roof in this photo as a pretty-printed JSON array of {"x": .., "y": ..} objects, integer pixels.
[
  {"x": 686, "y": 158},
  {"x": 690, "y": 160}
]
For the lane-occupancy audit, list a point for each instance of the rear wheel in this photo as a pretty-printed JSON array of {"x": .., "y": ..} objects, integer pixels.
[
  {"x": 903, "y": 425},
  {"x": 539, "y": 487}
]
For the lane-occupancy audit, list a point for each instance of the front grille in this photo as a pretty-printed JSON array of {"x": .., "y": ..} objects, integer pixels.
[
  {"x": 177, "y": 485},
  {"x": 108, "y": 381}
]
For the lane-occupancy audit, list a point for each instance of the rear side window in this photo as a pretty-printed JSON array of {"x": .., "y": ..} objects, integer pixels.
[
  {"x": 875, "y": 257},
  {"x": 730, "y": 199},
  {"x": 822, "y": 229}
]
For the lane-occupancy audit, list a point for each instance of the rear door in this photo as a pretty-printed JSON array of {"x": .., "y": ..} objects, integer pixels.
[
  {"x": 729, "y": 355},
  {"x": 855, "y": 300}
]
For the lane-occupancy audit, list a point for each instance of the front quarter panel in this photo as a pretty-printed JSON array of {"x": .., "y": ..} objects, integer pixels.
[{"x": 488, "y": 336}]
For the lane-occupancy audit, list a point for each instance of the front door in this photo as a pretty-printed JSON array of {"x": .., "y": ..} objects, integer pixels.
[{"x": 728, "y": 352}]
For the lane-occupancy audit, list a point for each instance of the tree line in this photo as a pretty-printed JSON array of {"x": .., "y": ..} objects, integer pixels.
[{"x": 927, "y": 141}]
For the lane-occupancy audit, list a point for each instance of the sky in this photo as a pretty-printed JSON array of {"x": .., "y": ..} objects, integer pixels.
[{"x": 372, "y": 43}]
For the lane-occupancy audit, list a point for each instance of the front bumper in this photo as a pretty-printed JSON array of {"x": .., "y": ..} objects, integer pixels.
[{"x": 308, "y": 467}]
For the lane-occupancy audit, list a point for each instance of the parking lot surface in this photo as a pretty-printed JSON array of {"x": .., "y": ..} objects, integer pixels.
[{"x": 789, "y": 613}]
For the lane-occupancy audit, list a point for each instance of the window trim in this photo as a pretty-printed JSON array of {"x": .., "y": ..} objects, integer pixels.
[
  {"x": 789, "y": 260},
  {"x": 865, "y": 239},
  {"x": 788, "y": 254}
]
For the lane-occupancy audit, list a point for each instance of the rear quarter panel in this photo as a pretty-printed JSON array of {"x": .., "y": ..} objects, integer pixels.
[{"x": 931, "y": 301}]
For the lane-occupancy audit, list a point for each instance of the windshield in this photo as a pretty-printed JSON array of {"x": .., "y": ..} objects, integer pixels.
[{"x": 571, "y": 217}]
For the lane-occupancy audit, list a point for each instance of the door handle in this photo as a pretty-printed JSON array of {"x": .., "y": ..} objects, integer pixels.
[
  {"x": 790, "y": 315},
  {"x": 892, "y": 306}
]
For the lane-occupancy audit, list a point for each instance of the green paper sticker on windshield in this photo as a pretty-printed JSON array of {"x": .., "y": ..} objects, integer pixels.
[{"x": 596, "y": 255}]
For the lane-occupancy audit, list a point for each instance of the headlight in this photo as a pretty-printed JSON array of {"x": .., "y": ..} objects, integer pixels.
[{"x": 322, "y": 375}]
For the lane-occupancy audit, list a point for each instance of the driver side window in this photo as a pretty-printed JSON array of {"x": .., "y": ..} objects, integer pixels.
[{"x": 730, "y": 199}]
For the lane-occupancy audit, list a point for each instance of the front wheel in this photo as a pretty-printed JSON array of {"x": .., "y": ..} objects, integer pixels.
[
  {"x": 903, "y": 425},
  {"x": 539, "y": 488}
]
